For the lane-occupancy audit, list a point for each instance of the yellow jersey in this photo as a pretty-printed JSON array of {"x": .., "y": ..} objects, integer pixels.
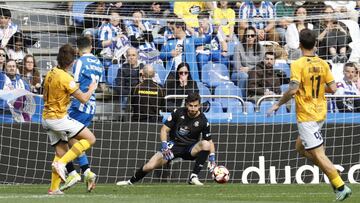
[
  {"x": 225, "y": 18},
  {"x": 312, "y": 74},
  {"x": 58, "y": 87},
  {"x": 189, "y": 11}
]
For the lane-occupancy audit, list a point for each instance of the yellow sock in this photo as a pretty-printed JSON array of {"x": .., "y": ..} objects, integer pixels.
[
  {"x": 55, "y": 178},
  {"x": 335, "y": 179},
  {"x": 77, "y": 149}
]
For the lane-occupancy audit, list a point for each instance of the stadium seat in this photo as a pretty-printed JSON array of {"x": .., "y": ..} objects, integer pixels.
[
  {"x": 162, "y": 73},
  {"x": 215, "y": 107},
  {"x": 112, "y": 74},
  {"x": 235, "y": 108},
  {"x": 265, "y": 105},
  {"x": 284, "y": 88},
  {"x": 79, "y": 7},
  {"x": 203, "y": 90},
  {"x": 283, "y": 67},
  {"x": 214, "y": 74},
  {"x": 227, "y": 89}
]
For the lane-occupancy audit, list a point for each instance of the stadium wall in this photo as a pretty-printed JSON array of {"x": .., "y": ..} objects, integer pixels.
[{"x": 253, "y": 153}]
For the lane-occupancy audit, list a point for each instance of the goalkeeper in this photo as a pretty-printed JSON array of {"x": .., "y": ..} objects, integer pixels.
[{"x": 185, "y": 127}]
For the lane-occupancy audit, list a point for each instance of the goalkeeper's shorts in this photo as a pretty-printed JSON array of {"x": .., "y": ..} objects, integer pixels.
[
  {"x": 183, "y": 151},
  {"x": 62, "y": 129}
]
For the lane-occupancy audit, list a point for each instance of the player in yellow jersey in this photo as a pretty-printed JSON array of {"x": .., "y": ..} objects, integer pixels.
[
  {"x": 59, "y": 85},
  {"x": 310, "y": 79}
]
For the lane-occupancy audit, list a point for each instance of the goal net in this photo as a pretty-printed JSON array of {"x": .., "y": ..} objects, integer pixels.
[{"x": 226, "y": 63}]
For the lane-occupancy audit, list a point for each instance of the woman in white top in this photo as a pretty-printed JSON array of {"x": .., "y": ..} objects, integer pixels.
[{"x": 293, "y": 30}]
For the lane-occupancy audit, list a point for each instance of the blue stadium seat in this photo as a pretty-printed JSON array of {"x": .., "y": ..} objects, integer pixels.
[
  {"x": 79, "y": 7},
  {"x": 203, "y": 90},
  {"x": 284, "y": 88},
  {"x": 250, "y": 107},
  {"x": 235, "y": 108},
  {"x": 214, "y": 74},
  {"x": 162, "y": 73},
  {"x": 112, "y": 74},
  {"x": 215, "y": 107},
  {"x": 265, "y": 105},
  {"x": 284, "y": 67},
  {"x": 227, "y": 89}
]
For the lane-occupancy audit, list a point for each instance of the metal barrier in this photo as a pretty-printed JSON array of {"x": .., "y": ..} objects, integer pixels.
[
  {"x": 212, "y": 96},
  {"x": 258, "y": 103}
]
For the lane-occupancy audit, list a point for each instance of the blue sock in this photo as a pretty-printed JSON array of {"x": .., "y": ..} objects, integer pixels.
[{"x": 83, "y": 162}]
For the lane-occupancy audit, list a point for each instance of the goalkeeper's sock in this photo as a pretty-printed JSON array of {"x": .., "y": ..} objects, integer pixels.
[
  {"x": 336, "y": 180},
  {"x": 55, "y": 178},
  {"x": 200, "y": 161},
  {"x": 140, "y": 174},
  {"x": 77, "y": 149},
  {"x": 83, "y": 162},
  {"x": 70, "y": 167}
]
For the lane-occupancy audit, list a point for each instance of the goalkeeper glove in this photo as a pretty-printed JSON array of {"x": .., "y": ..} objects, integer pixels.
[
  {"x": 166, "y": 151},
  {"x": 211, "y": 163}
]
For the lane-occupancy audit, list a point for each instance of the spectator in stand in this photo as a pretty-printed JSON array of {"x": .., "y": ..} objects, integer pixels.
[
  {"x": 29, "y": 72},
  {"x": 179, "y": 84},
  {"x": 96, "y": 8},
  {"x": 182, "y": 49},
  {"x": 293, "y": 30},
  {"x": 16, "y": 48},
  {"x": 10, "y": 81},
  {"x": 112, "y": 38},
  {"x": 3, "y": 58},
  {"x": 347, "y": 86},
  {"x": 332, "y": 38},
  {"x": 263, "y": 79},
  {"x": 314, "y": 7},
  {"x": 216, "y": 49},
  {"x": 247, "y": 54},
  {"x": 259, "y": 15},
  {"x": 189, "y": 12},
  {"x": 7, "y": 28},
  {"x": 224, "y": 17},
  {"x": 128, "y": 75},
  {"x": 284, "y": 11},
  {"x": 147, "y": 98},
  {"x": 140, "y": 35},
  {"x": 341, "y": 6}
]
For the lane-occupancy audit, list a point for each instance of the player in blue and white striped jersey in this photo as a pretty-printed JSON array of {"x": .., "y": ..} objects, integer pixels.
[{"x": 86, "y": 69}]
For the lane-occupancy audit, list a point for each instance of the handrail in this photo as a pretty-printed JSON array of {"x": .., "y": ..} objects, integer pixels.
[
  {"x": 212, "y": 96},
  {"x": 257, "y": 106}
]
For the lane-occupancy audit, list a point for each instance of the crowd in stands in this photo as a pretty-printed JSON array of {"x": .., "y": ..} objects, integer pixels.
[{"x": 250, "y": 39}]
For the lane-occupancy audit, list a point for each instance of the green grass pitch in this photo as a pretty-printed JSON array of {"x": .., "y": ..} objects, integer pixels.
[{"x": 173, "y": 193}]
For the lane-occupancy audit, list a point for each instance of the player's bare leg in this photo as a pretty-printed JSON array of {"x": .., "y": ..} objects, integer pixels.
[
  {"x": 156, "y": 161},
  {"x": 323, "y": 162},
  {"x": 301, "y": 150},
  {"x": 201, "y": 150}
]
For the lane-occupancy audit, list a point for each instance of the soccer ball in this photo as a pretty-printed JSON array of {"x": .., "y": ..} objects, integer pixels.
[{"x": 221, "y": 174}]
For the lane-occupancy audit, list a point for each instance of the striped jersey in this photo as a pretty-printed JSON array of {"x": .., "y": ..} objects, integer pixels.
[
  {"x": 257, "y": 17},
  {"x": 87, "y": 69}
]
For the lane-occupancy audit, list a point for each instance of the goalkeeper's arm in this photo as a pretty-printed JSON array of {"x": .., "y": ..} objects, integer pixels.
[{"x": 164, "y": 133}]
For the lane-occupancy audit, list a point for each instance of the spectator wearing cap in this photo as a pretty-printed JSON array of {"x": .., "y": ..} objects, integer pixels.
[{"x": 7, "y": 28}]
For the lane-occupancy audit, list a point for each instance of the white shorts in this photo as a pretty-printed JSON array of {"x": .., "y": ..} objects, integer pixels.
[
  {"x": 310, "y": 134},
  {"x": 62, "y": 129}
]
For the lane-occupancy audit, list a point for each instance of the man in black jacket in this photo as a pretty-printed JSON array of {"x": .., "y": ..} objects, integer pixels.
[{"x": 147, "y": 98}]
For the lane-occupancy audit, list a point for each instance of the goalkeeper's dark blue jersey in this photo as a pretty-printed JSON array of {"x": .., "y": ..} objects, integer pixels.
[{"x": 186, "y": 130}]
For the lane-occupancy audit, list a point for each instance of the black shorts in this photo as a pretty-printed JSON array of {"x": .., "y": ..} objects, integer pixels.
[{"x": 183, "y": 151}]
